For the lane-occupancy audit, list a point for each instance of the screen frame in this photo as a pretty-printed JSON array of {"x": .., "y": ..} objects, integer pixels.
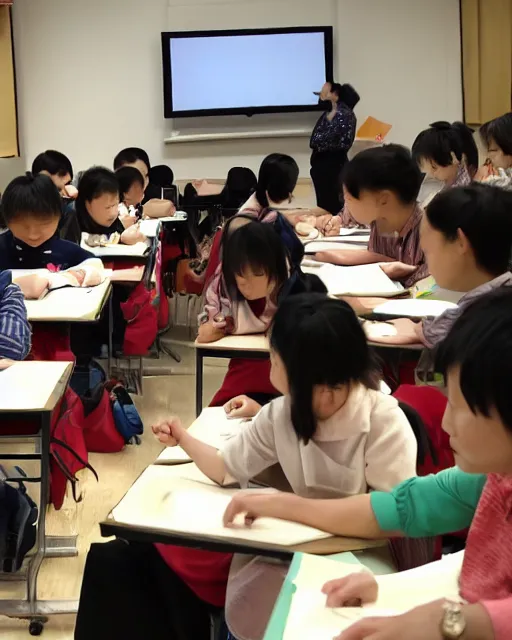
[{"x": 169, "y": 111}]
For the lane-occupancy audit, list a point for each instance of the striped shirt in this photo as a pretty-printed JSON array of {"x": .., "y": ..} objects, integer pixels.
[
  {"x": 462, "y": 178},
  {"x": 403, "y": 247},
  {"x": 349, "y": 222},
  {"x": 14, "y": 327}
]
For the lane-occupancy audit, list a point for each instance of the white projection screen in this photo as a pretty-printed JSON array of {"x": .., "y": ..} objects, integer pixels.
[{"x": 245, "y": 72}]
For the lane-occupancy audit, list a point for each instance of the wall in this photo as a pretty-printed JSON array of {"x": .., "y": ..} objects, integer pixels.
[{"x": 89, "y": 73}]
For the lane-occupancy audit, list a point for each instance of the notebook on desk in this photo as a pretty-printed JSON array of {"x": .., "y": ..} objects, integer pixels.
[
  {"x": 212, "y": 427},
  {"x": 137, "y": 250},
  {"x": 362, "y": 280},
  {"x": 181, "y": 500},
  {"x": 342, "y": 244},
  {"x": 70, "y": 304},
  {"x": 300, "y": 610},
  {"x": 413, "y": 308}
]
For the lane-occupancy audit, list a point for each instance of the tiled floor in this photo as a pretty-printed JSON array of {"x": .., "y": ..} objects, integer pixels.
[{"x": 61, "y": 578}]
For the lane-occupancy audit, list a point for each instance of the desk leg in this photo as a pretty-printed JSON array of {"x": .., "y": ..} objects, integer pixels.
[
  {"x": 199, "y": 382},
  {"x": 110, "y": 332}
]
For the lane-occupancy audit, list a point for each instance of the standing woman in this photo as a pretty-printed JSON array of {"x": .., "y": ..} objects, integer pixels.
[{"x": 331, "y": 140}]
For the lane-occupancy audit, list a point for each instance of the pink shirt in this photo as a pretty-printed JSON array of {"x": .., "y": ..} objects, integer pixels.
[{"x": 487, "y": 569}]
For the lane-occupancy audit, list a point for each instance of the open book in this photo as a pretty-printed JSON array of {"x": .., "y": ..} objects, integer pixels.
[
  {"x": 343, "y": 243},
  {"x": 212, "y": 427},
  {"x": 413, "y": 308},
  {"x": 300, "y": 611},
  {"x": 180, "y": 499},
  {"x": 137, "y": 250},
  {"x": 363, "y": 280}
]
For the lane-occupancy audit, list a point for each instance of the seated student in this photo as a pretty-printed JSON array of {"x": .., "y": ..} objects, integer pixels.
[
  {"x": 96, "y": 209},
  {"x": 240, "y": 185},
  {"x": 14, "y": 326},
  {"x": 58, "y": 167},
  {"x": 381, "y": 186},
  {"x": 243, "y": 296},
  {"x": 476, "y": 360},
  {"x": 131, "y": 194},
  {"x": 154, "y": 206},
  {"x": 496, "y": 136},
  {"x": 331, "y": 418},
  {"x": 31, "y": 209},
  {"x": 466, "y": 234},
  {"x": 447, "y": 152}
]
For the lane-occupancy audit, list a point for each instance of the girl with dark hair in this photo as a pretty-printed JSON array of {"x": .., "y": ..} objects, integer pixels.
[
  {"x": 447, "y": 152},
  {"x": 332, "y": 138},
  {"x": 333, "y": 433},
  {"x": 96, "y": 209},
  {"x": 277, "y": 180}
]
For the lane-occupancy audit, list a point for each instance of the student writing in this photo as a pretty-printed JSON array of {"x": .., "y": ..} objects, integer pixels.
[
  {"x": 447, "y": 152},
  {"x": 96, "y": 209},
  {"x": 466, "y": 234},
  {"x": 332, "y": 432},
  {"x": 153, "y": 205},
  {"x": 58, "y": 168},
  {"x": 131, "y": 194},
  {"x": 381, "y": 186},
  {"x": 476, "y": 361},
  {"x": 31, "y": 210}
]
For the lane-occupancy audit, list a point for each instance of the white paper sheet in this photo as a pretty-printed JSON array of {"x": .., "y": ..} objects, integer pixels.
[
  {"x": 363, "y": 280},
  {"x": 182, "y": 500},
  {"x": 136, "y": 250},
  {"x": 309, "y": 618},
  {"x": 213, "y": 427},
  {"x": 414, "y": 308},
  {"x": 355, "y": 243},
  {"x": 71, "y": 304}
]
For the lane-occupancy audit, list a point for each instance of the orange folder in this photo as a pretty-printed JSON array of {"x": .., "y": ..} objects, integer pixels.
[{"x": 373, "y": 129}]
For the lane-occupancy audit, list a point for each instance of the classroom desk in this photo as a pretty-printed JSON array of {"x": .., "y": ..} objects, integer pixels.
[
  {"x": 253, "y": 347},
  {"x": 148, "y": 498},
  {"x": 47, "y": 382}
]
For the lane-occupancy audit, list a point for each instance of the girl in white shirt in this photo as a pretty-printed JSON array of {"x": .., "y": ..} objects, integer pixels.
[{"x": 333, "y": 433}]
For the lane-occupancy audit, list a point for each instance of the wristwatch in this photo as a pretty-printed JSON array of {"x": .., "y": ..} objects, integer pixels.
[{"x": 453, "y": 623}]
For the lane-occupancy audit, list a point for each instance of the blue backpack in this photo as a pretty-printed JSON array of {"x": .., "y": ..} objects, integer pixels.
[{"x": 126, "y": 416}]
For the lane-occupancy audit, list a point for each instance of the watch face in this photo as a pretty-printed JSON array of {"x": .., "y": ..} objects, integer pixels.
[{"x": 454, "y": 624}]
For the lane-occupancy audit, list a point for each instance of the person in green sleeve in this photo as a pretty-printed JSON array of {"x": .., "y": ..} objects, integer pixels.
[{"x": 476, "y": 361}]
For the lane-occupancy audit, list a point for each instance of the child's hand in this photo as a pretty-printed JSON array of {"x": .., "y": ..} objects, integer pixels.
[
  {"x": 333, "y": 226},
  {"x": 32, "y": 286},
  {"x": 169, "y": 432},
  {"x": 398, "y": 270},
  {"x": 352, "y": 591},
  {"x": 242, "y": 407}
]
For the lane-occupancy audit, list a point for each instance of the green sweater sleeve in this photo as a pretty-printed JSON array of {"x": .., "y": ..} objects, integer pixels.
[{"x": 430, "y": 506}]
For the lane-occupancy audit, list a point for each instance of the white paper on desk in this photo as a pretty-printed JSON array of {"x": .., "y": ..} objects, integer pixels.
[
  {"x": 414, "y": 308},
  {"x": 354, "y": 231},
  {"x": 213, "y": 427},
  {"x": 346, "y": 244},
  {"x": 180, "y": 499},
  {"x": 71, "y": 304},
  {"x": 136, "y": 250},
  {"x": 363, "y": 280},
  {"x": 309, "y": 618},
  {"x": 149, "y": 227}
]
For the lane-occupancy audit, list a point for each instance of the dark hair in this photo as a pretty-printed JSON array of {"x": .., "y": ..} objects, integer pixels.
[
  {"x": 480, "y": 345},
  {"x": 129, "y": 156},
  {"x": 256, "y": 245},
  {"x": 346, "y": 94},
  {"x": 388, "y": 167},
  {"x": 54, "y": 162},
  {"x": 127, "y": 177},
  {"x": 94, "y": 183},
  {"x": 499, "y": 131},
  {"x": 484, "y": 214},
  {"x": 241, "y": 182},
  {"x": 441, "y": 139},
  {"x": 277, "y": 177},
  {"x": 30, "y": 195},
  {"x": 320, "y": 341},
  {"x": 425, "y": 445}
]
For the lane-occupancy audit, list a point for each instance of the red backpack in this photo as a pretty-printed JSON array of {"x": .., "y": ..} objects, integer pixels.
[
  {"x": 100, "y": 432},
  {"x": 68, "y": 452},
  {"x": 141, "y": 321}
]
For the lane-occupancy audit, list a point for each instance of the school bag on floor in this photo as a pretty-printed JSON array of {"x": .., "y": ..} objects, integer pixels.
[
  {"x": 100, "y": 431},
  {"x": 18, "y": 519},
  {"x": 68, "y": 452},
  {"x": 126, "y": 416}
]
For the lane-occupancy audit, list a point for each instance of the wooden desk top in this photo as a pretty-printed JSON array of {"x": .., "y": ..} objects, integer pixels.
[
  {"x": 257, "y": 343},
  {"x": 33, "y": 386}
]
